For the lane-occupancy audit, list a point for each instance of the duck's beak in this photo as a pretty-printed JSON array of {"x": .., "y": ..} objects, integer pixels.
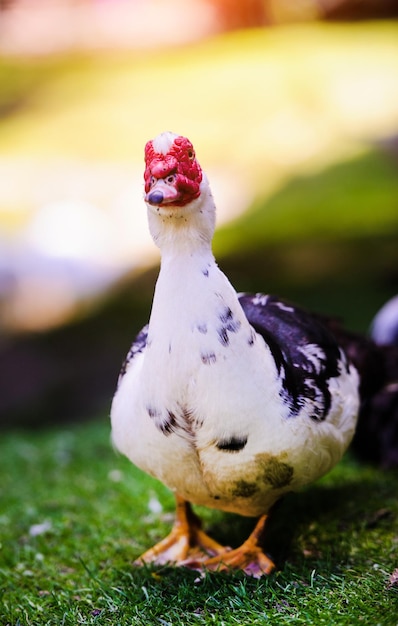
[{"x": 163, "y": 191}]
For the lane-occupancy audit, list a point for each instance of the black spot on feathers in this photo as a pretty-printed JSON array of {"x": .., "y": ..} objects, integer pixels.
[
  {"x": 208, "y": 358},
  {"x": 223, "y": 336},
  {"x": 233, "y": 444},
  {"x": 206, "y": 270},
  {"x": 169, "y": 424},
  {"x": 229, "y": 325},
  {"x": 180, "y": 421},
  {"x": 166, "y": 424},
  {"x": 153, "y": 412},
  {"x": 226, "y": 316},
  {"x": 138, "y": 345}
]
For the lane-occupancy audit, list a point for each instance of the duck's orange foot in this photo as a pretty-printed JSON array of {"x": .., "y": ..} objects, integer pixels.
[
  {"x": 186, "y": 543},
  {"x": 249, "y": 557},
  {"x": 251, "y": 561}
]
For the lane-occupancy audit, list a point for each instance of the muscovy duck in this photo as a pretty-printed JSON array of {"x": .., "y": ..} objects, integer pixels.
[
  {"x": 230, "y": 400},
  {"x": 384, "y": 328},
  {"x": 376, "y": 359}
]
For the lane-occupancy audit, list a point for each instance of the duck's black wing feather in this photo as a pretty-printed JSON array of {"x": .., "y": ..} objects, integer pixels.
[
  {"x": 137, "y": 346},
  {"x": 306, "y": 353},
  {"x": 288, "y": 328}
]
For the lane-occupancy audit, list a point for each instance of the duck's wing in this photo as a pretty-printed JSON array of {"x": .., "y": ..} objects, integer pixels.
[
  {"x": 306, "y": 353},
  {"x": 136, "y": 348}
]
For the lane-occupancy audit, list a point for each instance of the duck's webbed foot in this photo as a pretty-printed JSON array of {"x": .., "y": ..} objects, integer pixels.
[
  {"x": 249, "y": 557},
  {"x": 186, "y": 543}
]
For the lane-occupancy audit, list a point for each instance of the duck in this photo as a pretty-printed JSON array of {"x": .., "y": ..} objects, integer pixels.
[
  {"x": 384, "y": 326},
  {"x": 230, "y": 399}
]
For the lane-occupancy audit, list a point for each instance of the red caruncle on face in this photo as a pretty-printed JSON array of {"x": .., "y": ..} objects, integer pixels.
[{"x": 180, "y": 163}]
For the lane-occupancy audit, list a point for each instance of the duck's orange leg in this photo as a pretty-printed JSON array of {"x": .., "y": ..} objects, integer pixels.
[
  {"x": 186, "y": 542},
  {"x": 249, "y": 557}
]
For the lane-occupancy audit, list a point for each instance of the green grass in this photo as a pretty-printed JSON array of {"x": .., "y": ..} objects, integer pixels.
[{"x": 335, "y": 544}]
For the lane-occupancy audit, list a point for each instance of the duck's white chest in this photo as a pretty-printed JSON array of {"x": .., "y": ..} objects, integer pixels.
[
  {"x": 197, "y": 422},
  {"x": 190, "y": 408},
  {"x": 200, "y": 407}
]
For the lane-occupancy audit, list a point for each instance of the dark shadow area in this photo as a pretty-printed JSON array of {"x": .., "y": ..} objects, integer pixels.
[{"x": 300, "y": 526}]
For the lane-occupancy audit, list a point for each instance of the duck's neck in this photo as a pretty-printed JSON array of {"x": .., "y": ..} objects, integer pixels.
[
  {"x": 186, "y": 279},
  {"x": 191, "y": 290},
  {"x": 184, "y": 231}
]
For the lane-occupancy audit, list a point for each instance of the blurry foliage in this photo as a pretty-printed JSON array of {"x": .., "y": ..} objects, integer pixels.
[
  {"x": 227, "y": 93},
  {"x": 354, "y": 198},
  {"x": 21, "y": 81},
  {"x": 328, "y": 241}
]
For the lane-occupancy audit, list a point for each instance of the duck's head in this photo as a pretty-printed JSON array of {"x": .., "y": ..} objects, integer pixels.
[
  {"x": 176, "y": 189},
  {"x": 172, "y": 173}
]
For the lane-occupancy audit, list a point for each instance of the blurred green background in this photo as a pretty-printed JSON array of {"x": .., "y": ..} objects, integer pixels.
[{"x": 293, "y": 110}]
